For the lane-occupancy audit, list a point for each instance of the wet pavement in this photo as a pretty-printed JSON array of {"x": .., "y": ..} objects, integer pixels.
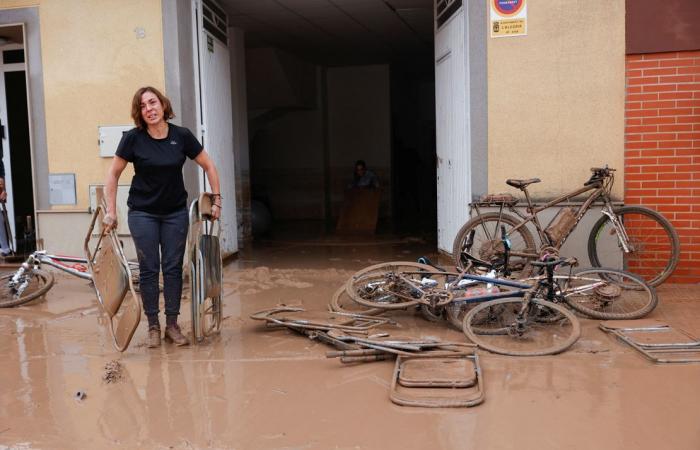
[{"x": 254, "y": 388}]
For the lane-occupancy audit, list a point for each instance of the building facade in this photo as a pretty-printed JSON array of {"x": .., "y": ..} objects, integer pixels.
[{"x": 580, "y": 89}]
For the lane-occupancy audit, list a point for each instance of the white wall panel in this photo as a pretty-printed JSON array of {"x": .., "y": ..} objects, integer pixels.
[{"x": 218, "y": 134}]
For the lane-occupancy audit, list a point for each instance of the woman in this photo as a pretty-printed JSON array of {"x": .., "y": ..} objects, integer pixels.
[{"x": 158, "y": 218}]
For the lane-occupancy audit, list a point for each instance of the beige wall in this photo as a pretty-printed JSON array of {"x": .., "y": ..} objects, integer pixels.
[
  {"x": 556, "y": 96},
  {"x": 93, "y": 61}
]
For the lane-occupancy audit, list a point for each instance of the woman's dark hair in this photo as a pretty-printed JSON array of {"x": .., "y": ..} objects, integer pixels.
[
  {"x": 360, "y": 163},
  {"x": 136, "y": 106}
]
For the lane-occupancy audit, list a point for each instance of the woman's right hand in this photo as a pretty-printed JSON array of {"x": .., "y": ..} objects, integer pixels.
[{"x": 109, "y": 222}]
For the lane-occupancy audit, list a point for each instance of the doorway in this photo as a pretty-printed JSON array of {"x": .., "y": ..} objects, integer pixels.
[
  {"x": 15, "y": 138},
  {"x": 330, "y": 84}
]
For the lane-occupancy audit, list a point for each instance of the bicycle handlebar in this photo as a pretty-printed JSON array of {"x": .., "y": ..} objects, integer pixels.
[
  {"x": 602, "y": 171},
  {"x": 599, "y": 173}
]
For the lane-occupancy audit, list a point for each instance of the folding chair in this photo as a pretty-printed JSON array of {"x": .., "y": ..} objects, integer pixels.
[
  {"x": 206, "y": 268},
  {"x": 111, "y": 279}
]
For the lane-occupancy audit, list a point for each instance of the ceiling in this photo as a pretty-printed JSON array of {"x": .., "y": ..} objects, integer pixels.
[{"x": 337, "y": 32}]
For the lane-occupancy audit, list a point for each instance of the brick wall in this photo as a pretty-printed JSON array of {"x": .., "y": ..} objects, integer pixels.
[{"x": 662, "y": 146}]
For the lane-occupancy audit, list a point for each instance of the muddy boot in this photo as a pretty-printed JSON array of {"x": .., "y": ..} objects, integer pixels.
[
  {"x": 153, "y": 336},
  {"x": 174, "y": 335}
]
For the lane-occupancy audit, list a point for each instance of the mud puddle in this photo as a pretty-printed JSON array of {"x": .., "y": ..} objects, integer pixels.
[{"x": 253, "y": 388}]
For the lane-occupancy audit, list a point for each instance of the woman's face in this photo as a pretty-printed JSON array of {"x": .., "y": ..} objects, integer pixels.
[{"x": 151, "y": 108}]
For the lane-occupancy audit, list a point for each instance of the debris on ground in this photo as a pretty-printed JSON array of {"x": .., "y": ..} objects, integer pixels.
[
  {"x": 423, "y": 364},
  {"x": 80, "y": 395},
  {"x": 113, "y": 372}
]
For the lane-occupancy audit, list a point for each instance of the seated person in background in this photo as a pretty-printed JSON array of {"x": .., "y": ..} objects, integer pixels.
[{"x": 363, "y": 178}]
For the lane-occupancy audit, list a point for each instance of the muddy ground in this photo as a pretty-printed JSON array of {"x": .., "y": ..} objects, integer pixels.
[{"x": 64, "y": 386}]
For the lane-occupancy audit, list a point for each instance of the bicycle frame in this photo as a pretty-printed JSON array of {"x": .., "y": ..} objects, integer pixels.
[
  {"x": 598, "y": 190},
  {"x": 37, "y": 258},
  {"x": 520, "y": 289},
  {"x": 48, "y": 259}
]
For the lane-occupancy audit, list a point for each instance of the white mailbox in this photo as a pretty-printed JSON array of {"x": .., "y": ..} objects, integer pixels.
[{"x": 109, "y": 138}]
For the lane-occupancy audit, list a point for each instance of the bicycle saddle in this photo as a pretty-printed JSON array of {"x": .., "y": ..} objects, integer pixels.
[{"x": 520, "y": 184}]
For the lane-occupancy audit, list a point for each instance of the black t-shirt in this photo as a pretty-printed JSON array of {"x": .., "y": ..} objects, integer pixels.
[{"x": 158, "y": 186}]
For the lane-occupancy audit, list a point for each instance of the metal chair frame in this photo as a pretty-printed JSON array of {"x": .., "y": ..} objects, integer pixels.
[
  {"x": 112, "y": 281},
  {"x": 206, "y": 269},
  {"x": 461, "y": 392},
  {"x": 662, "y": 352}
]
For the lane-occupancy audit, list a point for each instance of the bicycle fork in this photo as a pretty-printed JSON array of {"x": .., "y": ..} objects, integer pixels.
[
  {"x": 519, "y": 327},
  {"x": 620, "y": 231},
  {"x": 19, "y": 281}
]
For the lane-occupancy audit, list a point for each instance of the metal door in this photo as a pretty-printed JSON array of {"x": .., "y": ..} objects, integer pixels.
[
  {"x": 215, "y": 111},
  {"x": 452, "y": 116}
]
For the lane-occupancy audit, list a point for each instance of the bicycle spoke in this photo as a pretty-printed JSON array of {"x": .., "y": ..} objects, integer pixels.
[
  {"x": 484, "y": 231},
  {"x": 653, "y": 244}
]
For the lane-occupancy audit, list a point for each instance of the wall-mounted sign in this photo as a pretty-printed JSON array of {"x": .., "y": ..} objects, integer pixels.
[
  {"x": 62, "y": 189},
  {"x": 508, "y": 18}
]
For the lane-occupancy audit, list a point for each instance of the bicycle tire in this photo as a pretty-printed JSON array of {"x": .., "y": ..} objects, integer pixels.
[
  {"x": 620, "y": 291},
  {"x": 604, "y": 253},
  {"x": 338, "y": 303},
  {"x": 487, "y": 249},
  {"x": 545, "y": 332},
  {"x": 40, "y": 283},
  {"x": 357, "y": 283}
]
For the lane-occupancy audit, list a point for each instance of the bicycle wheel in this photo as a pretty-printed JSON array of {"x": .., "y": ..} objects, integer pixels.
[
  {"x": 609, "y": 294},
  {"x": 547, "y": 328},
  {"x": 341, "y": 302},
  {"x": 38, "y": 283},
  {"x": 488, "y": 246},
  {"x": 393, "y": 285},
  {"x": 655, "y": 243}
]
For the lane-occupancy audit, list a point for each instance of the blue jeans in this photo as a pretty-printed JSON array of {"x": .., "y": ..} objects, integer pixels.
[{"x": 160, "y": 242}]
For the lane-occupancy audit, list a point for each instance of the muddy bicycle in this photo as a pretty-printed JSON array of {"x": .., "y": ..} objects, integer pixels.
[
  {"x": 635, "y": 238},
  {"x": 30, "y": 281},
  {"x": 513, "y": 317}
]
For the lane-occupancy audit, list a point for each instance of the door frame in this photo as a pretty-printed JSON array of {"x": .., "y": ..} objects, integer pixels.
[
  {"x": 16, "y": 67},
  {"x": 28, "y": 17}
]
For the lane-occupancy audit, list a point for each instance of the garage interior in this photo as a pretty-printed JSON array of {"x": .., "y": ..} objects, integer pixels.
[{"x": 330, "y": 82}]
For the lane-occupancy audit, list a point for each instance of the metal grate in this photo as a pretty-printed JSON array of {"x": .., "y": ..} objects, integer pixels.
[
  {"x": 215, "y": 21},
  {"x": 444, "y": 9}
]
